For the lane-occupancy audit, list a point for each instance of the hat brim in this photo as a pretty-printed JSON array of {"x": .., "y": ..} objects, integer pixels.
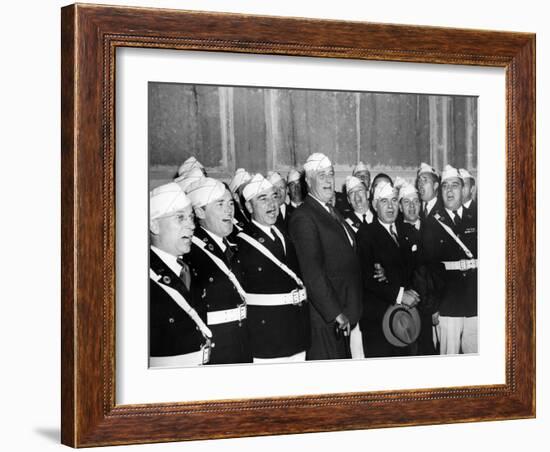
[{"x": 391, "y": 331}]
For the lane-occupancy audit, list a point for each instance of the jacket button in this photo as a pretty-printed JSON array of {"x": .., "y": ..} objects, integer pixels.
[
  {"x": 171, "y": 320},
  {"x": 259, "y": 269},
  {"x": 263, "y": 322},
  {"x": 211, "y": 279}
]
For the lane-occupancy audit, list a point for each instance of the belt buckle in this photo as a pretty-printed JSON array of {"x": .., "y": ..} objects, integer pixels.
[
  {"x": 463, "y": 265},
  {"x": 242, "y": 312},
  {"x": 295, "y": 294}
]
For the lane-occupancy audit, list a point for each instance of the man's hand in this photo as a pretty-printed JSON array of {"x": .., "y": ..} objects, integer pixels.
[
  {"x": 343, "y": 323},
  {"x": 410, "y": 298},
  {"x": 435, "y": 318},
  {"x": 379, "y": 273}
]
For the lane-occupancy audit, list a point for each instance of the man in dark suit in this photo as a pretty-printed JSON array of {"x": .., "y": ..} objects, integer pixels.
[
  {"x": 427, "y": 183},
  {"x": 449, "y": 243},
  {"x": 358, "y": 199},
  {"x": 216, "y": 273},
  {"x": 382, "y": 243},
  {"x": 296, "y": 188},
  {"x": 278, "y": 317},
  {"x": 325, "y": 247},
  {"x": 178, "y": 335}
]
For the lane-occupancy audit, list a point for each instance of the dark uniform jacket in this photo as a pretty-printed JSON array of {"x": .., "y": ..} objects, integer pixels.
[
  {"x": 437, "y": 208},
  {"x": 377, "y": 246},
  {"x": 331, "y": 274},
  {"x": 217, "y": 293},
  {"x": 459, "y": 297},
  {"x": 171, "y": 331},
  {"x": 354, "y": 221},
  {"x": 275, "y": 331}
]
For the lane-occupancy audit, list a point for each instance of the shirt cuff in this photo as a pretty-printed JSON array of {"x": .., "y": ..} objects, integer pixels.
[{"x": 400, "y": 295}]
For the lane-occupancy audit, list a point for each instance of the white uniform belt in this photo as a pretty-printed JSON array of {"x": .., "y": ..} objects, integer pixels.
[
  {"x": 277, "y": 299},
  {"x": 187, "y": 359},
  {"x": 461, "y": 265},
  {"x": 229, "y": 315}
]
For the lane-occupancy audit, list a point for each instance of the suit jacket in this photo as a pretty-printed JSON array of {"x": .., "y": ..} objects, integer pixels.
[
  {"x": 459, "y": 296},
  {"x": 437, "y": 208},
  {"x": 377, "y": 246},
  {"x": 217, "y": 293},
  {"x": 282, "y": 223},
  {"x": 275, "y": 331},
  {"x": 171, "y": 330},
  {"x": 329, "y": 264}
]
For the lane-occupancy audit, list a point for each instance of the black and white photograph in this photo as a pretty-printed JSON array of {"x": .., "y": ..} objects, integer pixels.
[{"x": 290, "y": 225}]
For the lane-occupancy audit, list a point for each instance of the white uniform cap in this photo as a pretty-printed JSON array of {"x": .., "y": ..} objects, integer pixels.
[
  {"x": 293, "y": 175},
  {"x": 241, "y": 177},
  {"x": 188, "y": 165},
  {"x": 353, "y": 183},
  {"x": 316, "y": 162},
  {"x": 359, "y": 167},
  {"x": 425, "y": 168},
  {"x": 258, "y": 184},
  {"x": 384, "y": 190},
  {"x": 204, "y": 191},
  {"x": 399, "y": 182},
  {"x": 166, "y": 200},
  {"x": 274, "y": 177},
  {"x": 465, "y": 174},
  {"x": 186, "y": 179},
  {"x": 407, "y": 190},
  {"x": 450, "y": 172}
]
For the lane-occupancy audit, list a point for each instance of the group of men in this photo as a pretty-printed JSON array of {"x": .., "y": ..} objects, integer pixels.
[{"x": 274, "y": 269}]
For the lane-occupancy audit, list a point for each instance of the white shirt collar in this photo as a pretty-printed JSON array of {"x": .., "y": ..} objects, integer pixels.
[
  {"x": 387, "y": 226},
  {"x": 468, "y": 203},
  {"x": 264, "y": 228},
  {"x": 282, "y": 208},
  {"x": 169, "y": 259},
  {"x": 430, "y": 204},
  {"x": 368, "y": 216},
  {"x": 460, "y": 211},
  {"x": 294, "y": 204},
  {"x": 217, "y": 239}
]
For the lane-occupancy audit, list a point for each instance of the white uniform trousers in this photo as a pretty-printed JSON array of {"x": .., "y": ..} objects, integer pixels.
[
  {"x": 457, "y": 335},
  {"x": 356, "y": 343}
]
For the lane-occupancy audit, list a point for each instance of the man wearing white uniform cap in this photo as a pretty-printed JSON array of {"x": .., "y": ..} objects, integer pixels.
[
  {"x": 358, "y": 199},
  {"x": 278, "y": 319},
  {"x": 325, "y": 246},
  {"x": 178, "y": 335},
  {"x": 281, "y": 191},
  {"x": 295, "y": 189},
  {"x": 382, "y": 243},
  {"x": 449, "y": 243},
  {"x": 361, "y": 172},
  {"x": 216, "y": 271},
  {"x": 239, "y": 181},
  {"x": 427, "y": 182}
]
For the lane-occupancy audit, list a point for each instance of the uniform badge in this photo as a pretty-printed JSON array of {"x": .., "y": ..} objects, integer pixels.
[
  {"x": 166, "y": 279},
  {"x": 261, "y": 240},
  {"x": 414, "y": 248},
  {"x": 211, "y": 247}
]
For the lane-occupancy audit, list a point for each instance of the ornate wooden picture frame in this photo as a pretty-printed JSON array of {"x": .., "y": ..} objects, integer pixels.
[{"x": 90, "y": 37}]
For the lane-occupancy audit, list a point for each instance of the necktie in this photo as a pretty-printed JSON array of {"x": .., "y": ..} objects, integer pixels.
[
  {"x": 228, "y": 252},
  {"x": 456, "y": 218},
  {"x": 425, "y": 210},
  {"x": 278, "y": 242},
  {"x": 334, "y": 215},
  {"x": 364, "y": 218},
  {"x": 393, "y": 233},
  {"x": 185, "y": 276}
]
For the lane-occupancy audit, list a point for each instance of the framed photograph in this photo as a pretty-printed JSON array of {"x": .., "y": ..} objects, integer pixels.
[{"x": 167, "y": 114}]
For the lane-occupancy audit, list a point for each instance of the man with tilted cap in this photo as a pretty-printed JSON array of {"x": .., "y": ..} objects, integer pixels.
[
  {"x": 178, "y": 335},
  {"x": 358, "y": 199},
  {"x": 240, "y": 179},
  {"x": 449, "y": 245},
  {"x": 278, "y": 317},
  {"x": 427, "y": 182},
  {"x": 296, "y": 189},
  {"x": 279, "y": 184},
  {"x": 382, "y": 243},
  {"x": 216, "y": 274},
  {"x": 326, "y": 250}
]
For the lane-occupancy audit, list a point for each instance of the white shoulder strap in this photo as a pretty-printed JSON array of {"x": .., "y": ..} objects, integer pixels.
[
  {"x": 221, "y": 264},
  {"x": 456, "y": 239},
  {"x": 182, "y": 303},
  {"x": 262, "y": 249}
]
